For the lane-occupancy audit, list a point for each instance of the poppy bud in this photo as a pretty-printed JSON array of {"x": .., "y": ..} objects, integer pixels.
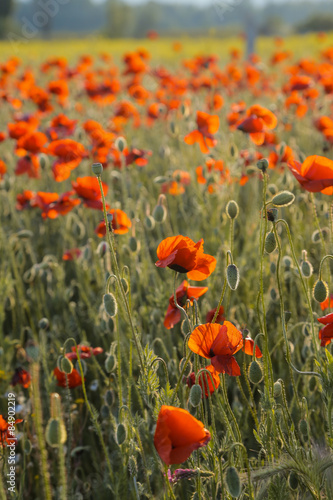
[
  {"x": 121, "y": 434},
  {"x": 232, "y": 276},
  {"x": 233, "y": 150},
  {"x": 124, "y": 283},
  {"x": 132, "y": 466},
  {"x": 159, "y": 213},
  {"x": 24, "y": 234},
  {"x": 287, "y": 262},
  {"x": 195, "y": 395},
  {"x": 233, "y": 481},
  {"x": 320, "y": 291},
  {"x": 161, "y": 179},
  {"x": 120, "y": 144},
  {"x": 188, "y": 368},
  {"x": 149, "y": 222},
  {"x": 293, "y": 481},
  {"x": 110, "y": 304},
  {"x": 173, "y": 128},
  {"x": 185, "y": 327},
  {"x": 272, "y": 188},
  {"x": 232, "y": 210},
  {"x": 55, "y": 433},
  {"x": 277, "y": 389},
  {"x": 315, "y": 236},
  {"x": 272, "y": 268},
  {"x": 43, "y": 324},
  {"x": 66, "y": 365},
  {"x": 109, "y": 397},
  {"x": 105, "y": 412},
  {"x": 134, "y": 244},
  {"x": 306, "y": 269},
  {"x": 303, "y": 427},
  {"x": 270, "y": 242},
  {"x": 102, "y": 249},
  {"x": 283, "y": 199},
  {"x": 43, "y": 161},
  {"x": 255, "y": 372},
  {"x": 273, "y": 294},
  {"x": 262, "y": 164},
  {"x": 97, "y": 168},
  {"x": 110, "y": 325},
  {"x": 110, "y": 363}
]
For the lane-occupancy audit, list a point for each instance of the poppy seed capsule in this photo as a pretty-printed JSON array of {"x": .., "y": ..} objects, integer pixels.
[
  {"x": 263, "y": 164},
  {"x": 270, "y": 243},
  {"x": 232, "y": 210},
  {"x": 293, "y": 481},
  {"x": 320, "y": 291},
  {"x": 43, "y": 324},
  {"x": 110, "y": 304},
  {"x": 232, "y": 276},
  {"x": 306, "y": 269},
  {"x": 110, "y": 363},
  {"x": 159, "y": 213},
  {"x": 134, "y": 244},
  {"x": 66, "y": 365},
  {"x": 233, "y": 482},
  {"x": 277, "y": 389},
  {"x": 97, "y": 168},
  {"x": 195, "y": 395},
  {"x": 283, "y": 199},
  {"x": 55, "y": 433},
  {"x": 255, "y": 372},
  {"x": 185, "y": 327},
  {"x": 121, "y": 434},
  {"x": 120, "y": 144}
]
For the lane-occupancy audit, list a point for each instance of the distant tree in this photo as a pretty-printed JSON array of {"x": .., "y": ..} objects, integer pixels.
[
  {"x": 118, "y": 14},
  {"x": 317, "y": 22},
  {"x": 6, "y": 9},
  {"x": 274, "y": 25}
]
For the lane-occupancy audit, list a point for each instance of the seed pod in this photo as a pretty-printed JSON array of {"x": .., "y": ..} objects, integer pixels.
[
  {"x": 159, "y": 213},
  {"x": 273, "y": 294},
  {"x": 109, "y": 397},
  {"x": 66, "y": 365},
  {"x": 262, "y": 164},
  {"x": 105, "y": 411},
  {"x": 97, "y": 168},
  {"x": 277, "y": 389},
  {"x": 306, "y": 269},
  {"x": 195, "y": 395},
  {"x": 110, "y": 304},
  {"x": 134, "y": 244},
  {"x": 272, "y": 267},
  {"x": 43, "y": 161},
  {"x": 272, "y": 188},
  {"x": 320, "y": 291},
  {"x": 102, "y": 249},
  {"x": 255, "y": 372},
  {"x": 120, "y": 144},
  {"x": 303, "y": 427},
  {"x": 232, "y": 276},
  {"x": 149, "y": 222},
  {"x": 124, "y": 283},
  {"x": 55, "y": 433},
  {"x": 287, "y": 262},
  {"x": 233, "y": 150},
  {"x": 233, "y": 482},
  {"x": 121, "y": 434},
  {"x": 43, "y": 324},
  {"x": 283, "y": 199},
  {"x": 232, "y": 210},
  {"x": 270, "y": 242},
  {"x": 185, "y": 327},
  {"x": 110, "y": 363},
  {"x": 293, "y": 481}
]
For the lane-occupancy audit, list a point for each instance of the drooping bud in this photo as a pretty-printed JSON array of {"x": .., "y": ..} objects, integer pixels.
[
  {"x": 277, "y": 389},
  {"x": 110, "y": 363},
  {"x": 159, "y": 213},
  {"x": 232, "y": 210},
  {"x": 303, "y": 427},
  {"x": 233, "y": 482},
  {"x": 66, "y": 365},
  {"x": 283, "y": 199},
  {"x": 195, "y": 395},
  {"x": 270, "y": 242},
  {"x": 306, "y": 269},
  {"x": 121, "y": 434},
  {"x": 255, "y": 372},
  {"x": 293, "y": 481},
  {"x": 149, "y": 222},
  {"x": 320, "y": 291},
  {"x": 124, "y": 283},
  {"x": 120, "y": 144},
  {"x": 232, "y": 276},
  {"x": 102, "y": 249},
  {"x": 110, "y": 304}
]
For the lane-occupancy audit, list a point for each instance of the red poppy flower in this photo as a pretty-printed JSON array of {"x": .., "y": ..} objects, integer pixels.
[
  {"x": 326, "y": 333},
  {"x": 324, "y": 305},
  {"x": 181, "y": 254},
  {"x": 314, "y": 174},
  {"x": 208, "y": 125},
  {"x": 24, "y": 200},
  {"x": 202, "y": 380},
  {"x": 178, "y": 434},
  {"x": 183, "y": 292},
  {"x": 220, "y": 343},
  {"x": 219, "y": 318},
  {"x": 84, "y": 352},
  {"x": 258, "y": 120},
  {"x": 32, "y": 142},
  {"x": 87, "y": 188},
  {"x": 29, "y": 165},
  {"x": 74, "y": 378},
  {"x": 120, "y": 224},
  {"x": 21, "y": 377},
  {"x": 3, "y": 169},
  {"x": 71, "y": 254},
  {"x": 6, "y": 438}
]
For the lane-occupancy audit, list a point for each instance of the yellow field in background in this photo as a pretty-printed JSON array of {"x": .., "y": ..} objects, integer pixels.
[{"x": 160, "y": 49}]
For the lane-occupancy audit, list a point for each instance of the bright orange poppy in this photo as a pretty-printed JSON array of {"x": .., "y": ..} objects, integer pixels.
[
  {"x": 178, "y": 434},
  {"x": 208, "y": 125},
  {"x": 314, "y": 174},
  {"x": 220, "y": 343},
  {"x": 181, "y": 254},
  {"x": 209, "y": 386},
  {"x": 120, "y": 224},
  {"x": 74, "y": 378},
  {"x": 87, "y": 188}
]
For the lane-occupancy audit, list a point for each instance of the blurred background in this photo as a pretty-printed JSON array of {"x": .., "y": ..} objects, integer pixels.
[{"x": 139, "y": 18}]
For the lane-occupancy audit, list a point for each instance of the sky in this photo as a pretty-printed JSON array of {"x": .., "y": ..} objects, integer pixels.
[{"x": 199, "y": 3}]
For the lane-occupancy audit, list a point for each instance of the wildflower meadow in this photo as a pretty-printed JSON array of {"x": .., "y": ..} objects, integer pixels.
[{"x": 166, "y": 312}]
